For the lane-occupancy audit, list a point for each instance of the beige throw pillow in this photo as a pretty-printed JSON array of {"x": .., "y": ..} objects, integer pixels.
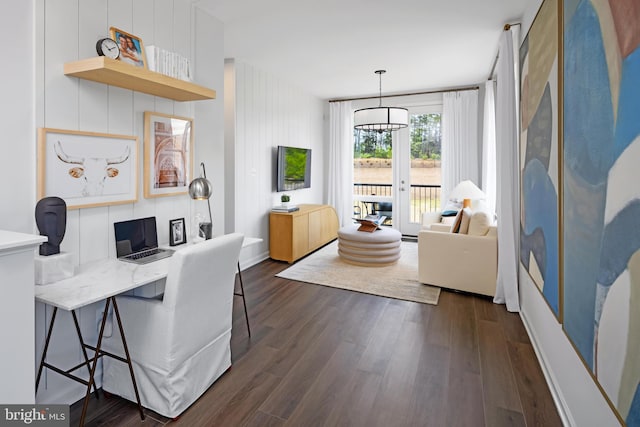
[
  {"x": 479, "y": 224},
  {"x": 464, "y": 222}
]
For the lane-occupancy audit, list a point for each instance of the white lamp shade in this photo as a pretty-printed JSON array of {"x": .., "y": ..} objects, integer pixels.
[
  {"x": 381, "y": 118},
  {"x": 466, "y": 190}
]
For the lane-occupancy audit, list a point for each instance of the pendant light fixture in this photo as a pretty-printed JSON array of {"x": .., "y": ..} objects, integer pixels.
[{"x": 381, "y": 118}]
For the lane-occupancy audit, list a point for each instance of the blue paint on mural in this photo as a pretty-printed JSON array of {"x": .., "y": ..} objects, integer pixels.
[
  {"x": 588, "y": 142},
  {"x": 633, "y": 418},
  {"x": 541, "y": 200},
  {"x": 621, "y": 239},
  {"x": 589, "y": 115}
]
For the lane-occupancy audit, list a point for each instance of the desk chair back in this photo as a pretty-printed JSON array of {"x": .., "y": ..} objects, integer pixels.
[{"x": 199, "y": 290}]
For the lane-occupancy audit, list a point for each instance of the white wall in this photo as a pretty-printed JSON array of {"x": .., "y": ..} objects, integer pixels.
[
  {"x": 581, "y": 402},
  {"x": 17, "y": 191},
  {"x": 66, "y": 30},
  {"x": 265, "y": 112},
  {"x": 17, "y": 119}
]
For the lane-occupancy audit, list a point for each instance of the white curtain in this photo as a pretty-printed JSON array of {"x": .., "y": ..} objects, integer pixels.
[
  {"x": 507, "y": 172},
  {"x": 459, "y": 139},
  {"x": 340, "y": 182},
  {"x": 489, "y": 146}
]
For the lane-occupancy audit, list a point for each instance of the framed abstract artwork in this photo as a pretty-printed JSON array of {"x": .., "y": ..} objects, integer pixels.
[
  {"x": 601, "y": 198},
  {"x": 168, "y": 154},
  {"x": 87, "y": 169},
  {"x": 539, "y": 154}
]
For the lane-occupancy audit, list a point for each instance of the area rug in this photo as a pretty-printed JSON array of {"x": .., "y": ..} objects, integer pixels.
[{"x": 399, "y": 281}]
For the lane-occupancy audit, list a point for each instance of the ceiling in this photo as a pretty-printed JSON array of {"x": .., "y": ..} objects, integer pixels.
[{"x": 331, "y": 48}]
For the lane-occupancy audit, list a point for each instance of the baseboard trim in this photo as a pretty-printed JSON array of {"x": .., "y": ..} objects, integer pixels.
[
  {"x": 250, "y": 262},
  {"x": 556, "y": 394}
]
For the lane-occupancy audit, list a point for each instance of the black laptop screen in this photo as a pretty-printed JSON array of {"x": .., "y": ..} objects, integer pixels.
[{"x": 135, "y": 235}]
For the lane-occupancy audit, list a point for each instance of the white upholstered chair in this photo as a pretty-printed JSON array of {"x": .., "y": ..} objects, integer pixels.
[
  {"x": 179, "y": 344},
  {"x": 465, "y": 262}
]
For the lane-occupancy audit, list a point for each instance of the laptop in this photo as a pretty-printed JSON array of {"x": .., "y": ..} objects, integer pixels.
[{"x": 137, "y": 241}]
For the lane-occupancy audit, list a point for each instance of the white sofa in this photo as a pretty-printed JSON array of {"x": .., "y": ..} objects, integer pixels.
[{"x": 457, "y": 261}]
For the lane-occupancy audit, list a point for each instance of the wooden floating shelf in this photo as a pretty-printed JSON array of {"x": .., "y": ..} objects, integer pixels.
[{"x": 117, "y": 73}]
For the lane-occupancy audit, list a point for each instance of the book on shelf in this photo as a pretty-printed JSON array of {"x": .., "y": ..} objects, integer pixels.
[
  {"x": 288, "y": 208},
  {"x": 370, "y": 223}
]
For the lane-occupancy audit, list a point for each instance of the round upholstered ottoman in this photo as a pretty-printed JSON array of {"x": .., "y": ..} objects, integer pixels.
[{"x": 382, "y": 247}]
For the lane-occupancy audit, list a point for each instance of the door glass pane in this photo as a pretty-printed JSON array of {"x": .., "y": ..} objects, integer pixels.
[
  {"x": 426, "y": 177},
  {"x": 372, "y": 174}
]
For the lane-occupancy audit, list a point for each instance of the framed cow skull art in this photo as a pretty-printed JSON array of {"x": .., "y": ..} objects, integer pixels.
[{"x": 87, "y": 169}]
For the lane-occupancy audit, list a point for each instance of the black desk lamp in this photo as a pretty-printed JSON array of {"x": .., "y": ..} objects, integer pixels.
[{"x": 201, "y": 189}]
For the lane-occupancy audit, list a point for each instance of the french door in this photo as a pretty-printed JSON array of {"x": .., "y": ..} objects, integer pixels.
[
  {"x": 417, "y": 169},
  {"x": 397, "y": 174}
]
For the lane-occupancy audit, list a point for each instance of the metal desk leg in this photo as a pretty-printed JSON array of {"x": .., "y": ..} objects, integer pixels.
[
  {"x": 244, "y": 302},
  {"x": 46, "y": 346},
  {"x": 84, "y": 348},
  {"x": 126, "y": 352},
  {"x": 95, "y": 362},
  {"x": 98, "y": 353}
]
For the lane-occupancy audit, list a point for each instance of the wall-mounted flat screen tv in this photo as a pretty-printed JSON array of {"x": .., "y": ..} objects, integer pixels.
[{"x": 293, "y": 168}]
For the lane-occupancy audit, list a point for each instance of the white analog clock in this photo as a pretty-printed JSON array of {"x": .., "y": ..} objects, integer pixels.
[{"x": 107, "y": 47}]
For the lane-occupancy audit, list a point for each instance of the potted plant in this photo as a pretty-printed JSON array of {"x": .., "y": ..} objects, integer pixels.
[{"x": 285, "y": 199}]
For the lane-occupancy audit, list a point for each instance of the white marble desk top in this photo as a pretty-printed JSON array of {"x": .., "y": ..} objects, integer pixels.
[
  {"x": 105, "y": 278},
  {"x": 100, "y": 280}
]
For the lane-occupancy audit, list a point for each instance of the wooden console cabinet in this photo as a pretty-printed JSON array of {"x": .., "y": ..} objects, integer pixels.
[{"x": 296, "y": 234}]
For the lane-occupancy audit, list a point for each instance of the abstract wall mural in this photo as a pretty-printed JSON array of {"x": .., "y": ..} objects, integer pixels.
[
  {"x": 601, "y": 194},
  {"x": 539, "y": 242}
]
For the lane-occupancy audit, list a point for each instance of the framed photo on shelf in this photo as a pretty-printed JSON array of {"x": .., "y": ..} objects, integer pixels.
[
  {"x": 87, "y": 169},
  {"x": 177, "y": 232},
  {"x": 131, "y": 47},
  {"x": 168, "y": 154}
]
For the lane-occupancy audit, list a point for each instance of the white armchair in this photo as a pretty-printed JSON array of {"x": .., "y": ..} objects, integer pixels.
[
  {"x": 179, "y": 344},
  {"x": 458, "y": 261}
]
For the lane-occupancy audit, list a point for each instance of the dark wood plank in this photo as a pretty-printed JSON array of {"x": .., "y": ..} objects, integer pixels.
[
  {"x": 328, "y": 389},
  {"x": 498, "y": 382},
  {"x": 406, "y": 370},
  {"x": 537, "y": 402},
  {"x": 486, "y": 309},
  {"x": 509, "y": 418},
  {"x": 302, "y": 372},
  {"x": 465, "y": 380},
  {"x": 260, "y": 419},
  {"x": 110, "y": 410},
  {"x": 427, "y": 397},
  {"x": 383, "y": 338},
  {"x": 356, "y": 403}
]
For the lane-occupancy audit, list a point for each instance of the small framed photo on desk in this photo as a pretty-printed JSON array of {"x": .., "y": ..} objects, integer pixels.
[{"x": 177, "y": 232}]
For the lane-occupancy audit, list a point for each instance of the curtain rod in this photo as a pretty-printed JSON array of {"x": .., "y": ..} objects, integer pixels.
[
  {"x": 506, "y": 27},
  {"x": 406, "y": 94}
]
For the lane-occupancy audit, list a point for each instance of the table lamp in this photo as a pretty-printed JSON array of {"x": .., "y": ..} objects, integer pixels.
[
  {"x": 201, "y": 189},
  {"x": 466, "y": 190}
]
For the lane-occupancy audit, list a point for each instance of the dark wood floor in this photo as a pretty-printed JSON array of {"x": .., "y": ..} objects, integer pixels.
[{"x": 323, "y": 356}]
